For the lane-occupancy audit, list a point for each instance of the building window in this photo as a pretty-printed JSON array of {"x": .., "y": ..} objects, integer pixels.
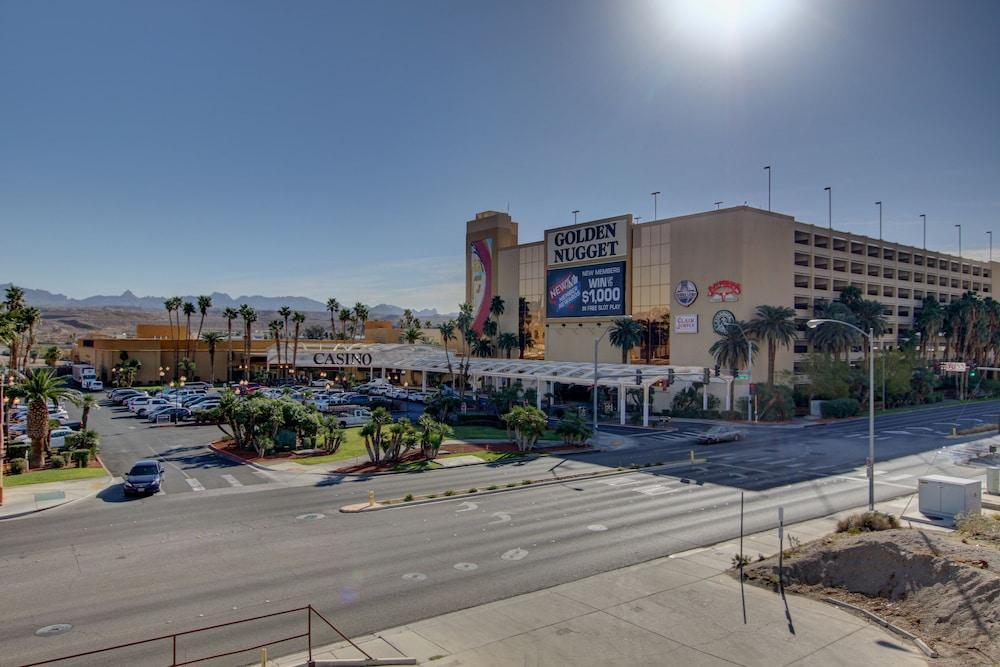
[
  {"x": 857, "y": 248},
  {"x": 918, "y": 260},
  {"x": 888, "y": 290},
  {"x": 802, "y": 281},
  {"x": 821, "y": 241},
  {"x": 801, "y": 259},
  {"x": 802, "y": 238}
]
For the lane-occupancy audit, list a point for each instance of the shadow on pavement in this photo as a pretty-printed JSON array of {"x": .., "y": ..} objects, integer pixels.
[{"x": 116, "y": 494}]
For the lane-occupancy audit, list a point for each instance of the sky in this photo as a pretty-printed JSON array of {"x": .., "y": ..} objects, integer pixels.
[{"x": 337, "y": 148}]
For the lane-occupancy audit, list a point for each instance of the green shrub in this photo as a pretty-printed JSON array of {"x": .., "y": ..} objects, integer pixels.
[
  {"x": 473, "y": 490},
  {"x": 57, "y": 461},
  {"x": 839, "y": 408},
  {"x": 18, "y": 451},
  {"x": 81, "y": 457},
  {"x": 477, "y": 419},
  {"x": 408, "y": 497},
  {"x": 18, "y": 466},
  {"x": 449, "y": 492},
  {"x": 775, "y": 403},
  {"x": 85, "y": 439},
  {"x": 867, "y": 522}
]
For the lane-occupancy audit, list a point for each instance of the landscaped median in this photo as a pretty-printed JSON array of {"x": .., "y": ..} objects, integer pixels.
[
  {"x": 52, "y": 475},
  {"x": 484, "y": 443}
]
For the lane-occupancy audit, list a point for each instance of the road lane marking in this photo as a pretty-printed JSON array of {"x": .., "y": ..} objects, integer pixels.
[
  {"x": 625, "y": 481},
  {"x": 232, "y": 480},
  {"x": 896, "y": 478},
  {"x": 898, "y": 432},
  {"x": 655, "y": 490},
  {"x": 689, "y": 552},
  {"x": 194, "y": 484}
]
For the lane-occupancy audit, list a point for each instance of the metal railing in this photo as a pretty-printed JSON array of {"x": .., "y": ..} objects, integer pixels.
[{"x": 172, "y": 638}]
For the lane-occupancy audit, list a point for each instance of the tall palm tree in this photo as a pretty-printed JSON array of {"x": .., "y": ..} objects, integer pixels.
[
  {"x": 30, "y": 316},
  {"x": 833, "y": 338},
  {"x": 286, "y": 314},
  {"x": 249, "y": 316},
  {"x": 928, "y": 322},
  {"x": 506, "y": 342},
  {"x": 173, "y": 306},
  {"x": 625, "y": 334},
  {"x": 230, "y": 314},
  {"x": 37, "y": 390},
  {"x": 334, "y": 307},
  {"x": 850, "y": 296},
  {"x": 87, "y": 404},
  {"x": 776, "y": 326},
  {"x": 870, "y": 316},
  {"x": 188, "y": 310},
  {"x": 447, "y": 331},
  {"x": 297, "y": 318},
  {"x": 730, "y": 352},
  {"x": 361, "y": 314},
  {"x": 275, "y": 326},
  {"x": 412, "y": 334},
  {"x": 482, "y": 347},
  {"x": 344, "y": 316},
  {"x": 204, "y": 303},
  {"x": 490, "y": 329},
  {"x": 212, "y": 338},
  {"x": 497, "y": 306}
]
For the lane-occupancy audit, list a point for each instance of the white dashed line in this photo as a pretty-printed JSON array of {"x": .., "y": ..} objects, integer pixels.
[
  {"x": 232, "y": 480},
  {"x": 194, "y": 484}
]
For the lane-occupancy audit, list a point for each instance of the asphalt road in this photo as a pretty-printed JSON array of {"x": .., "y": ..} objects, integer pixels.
[{"x": 121, "y": 571}]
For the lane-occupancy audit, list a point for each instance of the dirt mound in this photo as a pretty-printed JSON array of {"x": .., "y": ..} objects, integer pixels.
[{"x": 935, "y": 585}]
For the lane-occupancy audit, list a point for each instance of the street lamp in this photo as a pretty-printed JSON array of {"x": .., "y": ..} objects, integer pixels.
[
  {"x": 768, "y": 170},
  {"x": 749, "y": 368},
  {"x": 575, "y": 213},
  {"x": 597, "y": 342},
  {"x": 812, "y": 324},
  {"x": 655, "y": 195},
  {"x": 959, "y": 246},
  {"x": 923, "y": 216},
  {"x": 879, "y": 204}
]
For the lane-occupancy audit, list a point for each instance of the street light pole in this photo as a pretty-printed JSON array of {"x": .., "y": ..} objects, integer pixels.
[
  {"x": 768, "y": 170},
  {"x": 829, "y": 210},
  {"x": 655, "y": 195},
  {"x": 879, "y": 204},
  {"x": 870, "y": 465},
  {"x": 924, "y": 218},
  {"x": 718, "y": 204},
  {"x": 959, "y": 246},
  {"x": 597, "y": 342},
  {"x": 990, "y": 235},
  {"x": 574, "y": 215}
]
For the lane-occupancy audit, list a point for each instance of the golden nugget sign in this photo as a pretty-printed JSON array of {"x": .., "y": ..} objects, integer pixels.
[{"x": 594, "y": 241}]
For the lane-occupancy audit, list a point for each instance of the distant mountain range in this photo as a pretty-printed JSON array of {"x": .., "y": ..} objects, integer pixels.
[{"x": 220, "y": 300}]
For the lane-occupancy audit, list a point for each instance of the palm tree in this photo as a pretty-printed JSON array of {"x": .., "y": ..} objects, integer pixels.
[
  {"x": 204, "y": 303},
  {"x": 249, "y": 316},
  {"x": 230, "y": 314},
  {"x": 776, "y": 325},
  {"x": 928, "y": 322},
  {"x": 506, "y": 342},
  {"x": 173, "y": 305},
  {"x": 87, "y": 403},
  {"x": 344, "y": 316},
  {"x": 730, "y": 351},
  {"x": 52, "y": 356},
  {"x": 625, "y": 334},
  {"x": 334, "y": 307},
  {"x": 30, "y": 316},
  {"x": 490, "y": 328},
  {"x": 361, "y": 314},
  {"x": 412, "y": 334},
  {"x": 482, "y": 347},
  {"x": 285, "y": 313},
  {"x": 497, "y": 307},
  {"x": 850, "y": 296},
  {"x": 212, "y": 338},
  {"x": 275, "y": 326},
  {"x": 189, "y": 310},
  {"x": 37, "y": 390},
  {"x": 297, "y": 318},
  {"x": 870, "y": 316},
  {"x": 447, "y": 331},
  {"x": 833, "y": 338}
]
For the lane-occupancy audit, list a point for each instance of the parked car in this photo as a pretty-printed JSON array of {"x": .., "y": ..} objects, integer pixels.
[
  {"x": 719, "y": 434},
  {"x": 146, "y": 476},
  {"x": 197, "y": 385},
  {"x": 355, "y": 417},
  {"x": 170, "y": 413},
  {"x": 153, "y": 404},
  {"x": 57, "y": 437}
]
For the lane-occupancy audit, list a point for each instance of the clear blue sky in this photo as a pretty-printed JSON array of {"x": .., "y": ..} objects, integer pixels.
[{"x": 337, "y": 148}]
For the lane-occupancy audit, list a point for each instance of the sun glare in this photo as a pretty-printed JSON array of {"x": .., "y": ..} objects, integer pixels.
[{"x": 732, "y": 22}]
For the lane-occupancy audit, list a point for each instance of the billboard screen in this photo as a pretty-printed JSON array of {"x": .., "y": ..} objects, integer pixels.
[{"x": 596, "y": 290}]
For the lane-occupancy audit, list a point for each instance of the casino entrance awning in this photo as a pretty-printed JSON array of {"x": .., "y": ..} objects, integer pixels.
[{"x": 529, "y": 372}]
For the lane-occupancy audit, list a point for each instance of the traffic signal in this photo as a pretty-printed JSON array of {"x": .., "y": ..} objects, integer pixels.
[
  {"x": 705, "y": 377},
  {"x": 717, "y": 370},
  {"x": 972, "y": 370},
  {"x": 670, "y": 376},
  {"x": 638, "y": 378}
]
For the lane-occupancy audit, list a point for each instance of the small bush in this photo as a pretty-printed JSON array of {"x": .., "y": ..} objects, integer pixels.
[
  {"x": 433, "y": 495},
  {"x": 979, "y": 526},
  {"x": 449, "y": 492},
  {"x": 57, "y": 461},
  {"x": 492, "y": 487},
  {"x": 408, "y": 497},
  {"x": 512, "y": 484},
  {"x": 81, "y": 457},
  {"x": 840, "y": 408},
  {"x": 867, "y": 522},
  {"x": 740, "y": 560},
  {"x": 526, "y": 482},
  {"x": 18, "y": 466},
  {"x": 18, "y": 451},
  {"x": 473, "y": 490}
]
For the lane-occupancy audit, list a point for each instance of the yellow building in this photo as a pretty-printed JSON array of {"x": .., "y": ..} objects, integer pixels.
[{"x": 687, "y": 278}]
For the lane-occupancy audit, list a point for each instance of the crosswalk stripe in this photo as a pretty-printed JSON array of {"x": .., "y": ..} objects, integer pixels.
[
  {"x": 896, "y": 478},
  {"x": 194, "y": 484},
  {"x": 655, "y": 490},
  {"x": 232, "y": 480}
]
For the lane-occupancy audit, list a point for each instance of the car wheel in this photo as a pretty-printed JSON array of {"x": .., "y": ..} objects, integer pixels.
[{"x": 343, "y": 424}]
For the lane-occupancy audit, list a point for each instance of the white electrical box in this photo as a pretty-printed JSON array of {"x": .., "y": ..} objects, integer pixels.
[
  {"x": 993, "y": 481},
  {"x": 946, "y": 497}
]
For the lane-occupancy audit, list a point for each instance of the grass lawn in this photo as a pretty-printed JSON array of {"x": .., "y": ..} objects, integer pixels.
[
  {"x": 466, "y": 432},
  {"x": 354, "y": 445},
  {"x": 52, "y": 475}
]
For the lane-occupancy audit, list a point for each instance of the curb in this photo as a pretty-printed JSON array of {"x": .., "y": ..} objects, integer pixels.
[
  {"x": 927, "y": 650},
  {"x": 110, "y": 482}
]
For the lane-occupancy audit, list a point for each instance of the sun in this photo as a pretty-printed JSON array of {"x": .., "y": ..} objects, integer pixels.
[{"x": 730, "y": 22}]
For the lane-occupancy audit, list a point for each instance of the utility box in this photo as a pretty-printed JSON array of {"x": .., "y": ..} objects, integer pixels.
[
  {"x": 946, "y": 497},
  {"x": 993, "y": 481}
]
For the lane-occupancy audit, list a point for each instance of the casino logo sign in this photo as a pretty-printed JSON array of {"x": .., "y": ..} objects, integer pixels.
[{"x": 686, "y": 292}]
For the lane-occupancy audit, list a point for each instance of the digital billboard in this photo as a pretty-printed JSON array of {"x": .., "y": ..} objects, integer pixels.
[{"x": 595, "y": 290}]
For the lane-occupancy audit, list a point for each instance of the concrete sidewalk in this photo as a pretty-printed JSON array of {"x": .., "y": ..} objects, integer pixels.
[
  {"x": 681, "y": 609},
  {"x": 31, "y": 498}
]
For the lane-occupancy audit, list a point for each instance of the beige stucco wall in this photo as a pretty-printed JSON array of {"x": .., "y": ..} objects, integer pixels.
[{"x": 748, "y": 246}]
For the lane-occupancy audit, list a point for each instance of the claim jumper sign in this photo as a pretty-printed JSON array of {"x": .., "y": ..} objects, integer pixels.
[{"x": 589, "y": 242}]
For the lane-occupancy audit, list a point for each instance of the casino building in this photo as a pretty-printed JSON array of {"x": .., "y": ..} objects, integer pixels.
[{"x": 686, "y": 278}]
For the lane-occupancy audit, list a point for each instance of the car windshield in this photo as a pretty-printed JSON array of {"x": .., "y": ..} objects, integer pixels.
[
  {"x": 144, "y": 469},
  {"x": 719, "y": 429}
]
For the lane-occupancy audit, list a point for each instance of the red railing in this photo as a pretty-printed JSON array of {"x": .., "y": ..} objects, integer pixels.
[{"x": 308, "y": 634}]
